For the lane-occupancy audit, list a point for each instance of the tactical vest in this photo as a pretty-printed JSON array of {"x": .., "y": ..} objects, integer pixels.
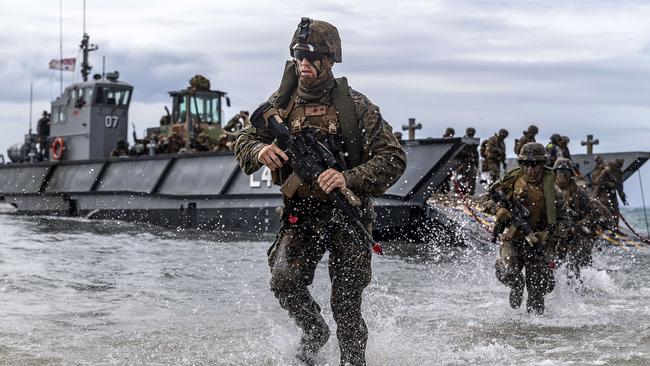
[
  {"x": 509, "y": 183},
  {"x": 341, "y": 113},
  {"x": 533, "y": 197}
]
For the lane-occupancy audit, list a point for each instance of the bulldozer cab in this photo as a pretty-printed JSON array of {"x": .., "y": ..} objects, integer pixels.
[
  {"x": 195, "y": 110},
  {"x": 197, "y": 107}
]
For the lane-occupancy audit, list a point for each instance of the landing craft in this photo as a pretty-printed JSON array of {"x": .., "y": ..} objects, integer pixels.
[{"x": 74, "y": 174}]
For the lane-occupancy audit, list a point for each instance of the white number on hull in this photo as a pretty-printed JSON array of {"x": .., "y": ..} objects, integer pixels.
[{"x": 111, "y": 121}]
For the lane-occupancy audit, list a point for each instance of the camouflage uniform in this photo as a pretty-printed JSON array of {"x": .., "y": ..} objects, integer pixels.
[
  {"x": 553, "y": 149},
  {"x": 606, "y": 184},
  {"x": 121, "y": 150},
  {"x": 535, "y": 251},
  {"x": 564, "y": 148},
  {"x": 468, "y": 168},
  {"x": 495, "y": 155},
  {"x": 528, "y": 136},
  {"x": 203, "y": 142},
  {"x": 583, "y": 212},
  {"x": 595, "y": 173},
  {"x": 310, "y": 223}
]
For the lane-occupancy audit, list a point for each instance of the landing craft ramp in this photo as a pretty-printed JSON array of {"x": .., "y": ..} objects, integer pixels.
[{"x": 207, "y": 190}]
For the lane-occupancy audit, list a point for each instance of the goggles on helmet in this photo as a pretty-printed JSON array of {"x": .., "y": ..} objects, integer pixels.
[
  {"x": 311, "y": 56},
  {"x": 530, "y": 164}
]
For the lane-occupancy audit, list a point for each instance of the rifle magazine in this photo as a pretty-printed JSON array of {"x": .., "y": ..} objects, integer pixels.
[{"x": 290, "y": 186}]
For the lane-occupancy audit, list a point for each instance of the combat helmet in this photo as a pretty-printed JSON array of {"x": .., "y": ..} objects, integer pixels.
[
  {"x": 503, "y": 132},
  {"x": 470, "y": 131},
  {"x": 533, "y": 151},
  {"x": 449, "y": 132},
  {"x": 533, "y": 130},
  {"x": 199, "y": 82},
  {"x": 555, "y": 138},
  {"x": 564, "y": 164},
  {"x": 317, "y": 36}
]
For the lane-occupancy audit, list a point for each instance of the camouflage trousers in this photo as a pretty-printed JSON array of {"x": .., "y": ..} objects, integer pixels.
[
  {"x": 575, "y": 253},
  {"x": 493, "y": 167},
  {"x": 514, "y": 257},
  {"x": 293, "y": 259}
]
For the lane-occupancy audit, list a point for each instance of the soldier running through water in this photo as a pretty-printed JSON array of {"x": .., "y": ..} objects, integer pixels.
[
  {"x": 347, "y": 122},
  {"x": 583, "y": 213},
  {"x": 528, "y": 242}
]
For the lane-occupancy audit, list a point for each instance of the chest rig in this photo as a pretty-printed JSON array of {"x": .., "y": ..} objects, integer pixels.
[
  {"x": 321, "y": 117},
  {"x": 515, "y": 184},
  {"x": 533, "y": 197},
  {"x": 324, "y": 120}
]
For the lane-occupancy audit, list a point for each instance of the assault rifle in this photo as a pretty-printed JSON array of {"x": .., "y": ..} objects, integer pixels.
[
  {"x": 518, "y": 212},
  {"x": 519, "y": 215},
  {"x": 309, "y": 158}
]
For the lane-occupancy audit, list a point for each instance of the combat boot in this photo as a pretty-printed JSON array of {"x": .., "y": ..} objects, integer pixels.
[
  {"x": 535, "y": 304},
  {"x": 516, "y": 293},
  {"x": 311, "y": 342},
  {"x": 357, "y": 358}
]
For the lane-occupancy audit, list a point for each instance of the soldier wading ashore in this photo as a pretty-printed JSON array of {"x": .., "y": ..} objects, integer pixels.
[
  {"x": 533, "y": 220},
  {"x": 311, "y": 102}
]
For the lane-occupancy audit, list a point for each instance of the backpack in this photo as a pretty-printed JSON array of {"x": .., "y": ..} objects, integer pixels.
[{"x": 483, "y": 149}]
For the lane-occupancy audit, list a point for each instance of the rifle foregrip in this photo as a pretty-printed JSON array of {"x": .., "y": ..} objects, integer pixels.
[{"x": 351, "y": 197}]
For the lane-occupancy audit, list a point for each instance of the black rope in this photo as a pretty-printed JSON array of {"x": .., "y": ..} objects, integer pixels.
[{"x": 645, "y": 213}]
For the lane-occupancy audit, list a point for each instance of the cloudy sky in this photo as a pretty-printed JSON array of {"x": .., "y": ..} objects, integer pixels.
[{"x": 570, "y": 67}]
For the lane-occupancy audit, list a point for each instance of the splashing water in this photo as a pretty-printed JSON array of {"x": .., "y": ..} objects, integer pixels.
[{"x": 80, "y": 292}]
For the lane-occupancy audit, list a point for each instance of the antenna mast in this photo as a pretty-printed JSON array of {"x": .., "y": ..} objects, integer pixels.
[
  {"x": 31, "y": 94},
  {"x": 61, "y": 46},
  {"x": 84, "y": 18},
  {"x": 86, "y": 48}
]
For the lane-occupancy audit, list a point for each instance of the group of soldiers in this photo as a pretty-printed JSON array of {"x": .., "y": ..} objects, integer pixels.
[
  {"x": 171, "y": 144},
  {"x": 603, "y": 183},
  {"x": 545, "y": 219},
  {"x": 207, "y": 138},
  {"x": 547, "y": 212}
]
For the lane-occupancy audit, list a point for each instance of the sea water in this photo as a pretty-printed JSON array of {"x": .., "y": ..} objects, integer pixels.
[{"x": 80, "y": 292}]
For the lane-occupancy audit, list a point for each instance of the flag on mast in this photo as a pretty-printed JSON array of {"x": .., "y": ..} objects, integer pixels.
[{"x": 66, "y": 64}]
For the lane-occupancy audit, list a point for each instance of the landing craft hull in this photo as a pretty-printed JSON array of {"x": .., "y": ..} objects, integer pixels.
[{"x": 209, "y": 191}]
